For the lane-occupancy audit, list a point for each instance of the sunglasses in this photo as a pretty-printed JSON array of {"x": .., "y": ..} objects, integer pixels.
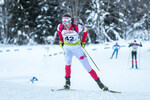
[{"x": 66, "y": 22}]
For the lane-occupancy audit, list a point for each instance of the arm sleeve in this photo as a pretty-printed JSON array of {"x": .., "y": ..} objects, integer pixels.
[
  {"x": 59, "y": 27},
  {"x": 113, "y": 46},
  {"x": 84, "y": 30}
]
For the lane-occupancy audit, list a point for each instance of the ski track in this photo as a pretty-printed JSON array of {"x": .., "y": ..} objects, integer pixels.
[{"x": 47, "y": 64}]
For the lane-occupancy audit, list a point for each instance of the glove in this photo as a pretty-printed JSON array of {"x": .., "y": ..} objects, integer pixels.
[
  {"x": 61, "y": 43},
  {"x": 140, "y": 43},
  {"x": 83, "y": 44}
]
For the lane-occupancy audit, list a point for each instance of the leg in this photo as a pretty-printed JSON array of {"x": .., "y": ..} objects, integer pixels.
[
  {"x": 116, "y": 53},
  {"x": 68, "y": 70},
  {"x": 132, "y": 59},
  {"x": 83, "y": 59},
  {"x": 136, "y": 64},
  {"x": 79, "y": 54},
  {"x": 132, "y": 63},
  {"x": 113, "y": 54},
  {"x": 68, "y": 59},
  {"x": 97, "y": 79},
  {"x": 67, "y": 77},
  {"x": 136, "y": 60}
]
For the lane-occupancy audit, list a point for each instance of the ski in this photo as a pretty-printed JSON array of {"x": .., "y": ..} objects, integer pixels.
[
  {"x": 62, "y": 89},
  {"x": 113, "y": 91}
]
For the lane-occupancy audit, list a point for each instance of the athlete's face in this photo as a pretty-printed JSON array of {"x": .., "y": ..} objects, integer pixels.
[{"x": 66, "y": 21}]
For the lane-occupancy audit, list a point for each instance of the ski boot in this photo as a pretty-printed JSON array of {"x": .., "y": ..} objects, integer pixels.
[
  {"x": 136, "y": 66},
  {"x": 101, "y": 85},
  {"x": 67, "y": 85},
  {"x": 132, "y": 66}
]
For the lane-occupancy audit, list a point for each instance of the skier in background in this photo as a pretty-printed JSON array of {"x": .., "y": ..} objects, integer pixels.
[
  {"x": 72, "y": 45},
  {"x": 115, "y": 47},
  {"x": 134, "y": 46}
]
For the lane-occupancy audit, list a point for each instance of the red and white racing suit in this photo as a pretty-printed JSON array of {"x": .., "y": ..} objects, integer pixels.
[{"x": 72, "y": 47}]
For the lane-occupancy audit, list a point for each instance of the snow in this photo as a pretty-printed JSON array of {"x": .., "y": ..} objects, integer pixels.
[
  {"x": 20, "y": 63},
  {"x": 1, "y": 1}
]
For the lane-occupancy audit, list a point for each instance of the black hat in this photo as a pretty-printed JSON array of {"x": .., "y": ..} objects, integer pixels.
[
  {"x": 134, "y": 40},
  {"x": 67, "y": 15}
]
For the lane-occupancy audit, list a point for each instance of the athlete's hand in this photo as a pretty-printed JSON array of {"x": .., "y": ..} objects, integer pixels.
[
  {"x": 61, "y": 44},
  {"x": 140, "y": 43},
  {"x": 83, "y": 44}
]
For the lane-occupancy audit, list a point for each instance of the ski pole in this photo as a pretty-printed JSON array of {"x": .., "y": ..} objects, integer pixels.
[
  {"x": 92, "y": 60},
  {"x": 129, "y": 57},
  {"x": 139, "y": 56}
]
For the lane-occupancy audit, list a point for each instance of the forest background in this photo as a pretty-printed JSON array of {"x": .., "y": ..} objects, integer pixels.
[{"x": 24, "y": 22}]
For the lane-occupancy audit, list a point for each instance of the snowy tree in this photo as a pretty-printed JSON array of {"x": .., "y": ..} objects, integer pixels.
[
  {"x": 35, "y": 21},
  {"x": 32, "y": 20},
  {"x": 21, "y": 21},
  {"x": 46, "y": 21}
]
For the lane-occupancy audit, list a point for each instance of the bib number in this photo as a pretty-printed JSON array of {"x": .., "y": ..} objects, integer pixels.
[{"x": 69, "y": 38}]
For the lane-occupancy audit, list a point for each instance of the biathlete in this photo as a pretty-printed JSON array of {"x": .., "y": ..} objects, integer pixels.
[
  {"x": 70, "y": 42},
  {"x": 116, "y": 47},
  {"x": 134, "y": 46}
]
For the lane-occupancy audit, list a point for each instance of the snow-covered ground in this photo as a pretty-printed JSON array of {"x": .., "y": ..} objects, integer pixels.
[{"x": 18, "y": 64}]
